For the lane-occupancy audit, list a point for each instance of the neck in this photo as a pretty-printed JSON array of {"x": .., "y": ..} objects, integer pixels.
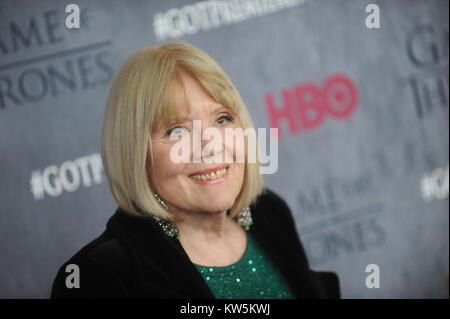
[{"x": 205, "y": 226}]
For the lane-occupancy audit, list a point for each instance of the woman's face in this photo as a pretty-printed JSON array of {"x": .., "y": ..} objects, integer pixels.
[{"x": 179, "y": 184}]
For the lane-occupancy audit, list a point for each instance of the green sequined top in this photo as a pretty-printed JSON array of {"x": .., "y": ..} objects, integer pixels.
[{"x": 254, "y": 276}]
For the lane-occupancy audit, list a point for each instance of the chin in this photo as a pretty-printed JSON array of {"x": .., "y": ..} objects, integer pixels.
[{"x": 221, "y": 205}]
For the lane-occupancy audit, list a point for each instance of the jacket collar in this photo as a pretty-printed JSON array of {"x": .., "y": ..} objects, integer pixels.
[
  {"x": 166, "y": 253},
  {"x": 274, "y": 230}
]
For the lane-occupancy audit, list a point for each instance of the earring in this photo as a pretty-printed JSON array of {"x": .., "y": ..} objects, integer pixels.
[
  {"x": 163, "y": 203},
  {"x": 245, "y": 218},
  {"x": 169, "y": 228}
]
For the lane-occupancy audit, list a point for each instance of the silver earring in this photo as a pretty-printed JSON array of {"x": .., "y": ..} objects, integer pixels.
[
  {"x": 169, "y": 228},
  {"x": 245, "y": 218},
  {"x": 163, "y": 203}
]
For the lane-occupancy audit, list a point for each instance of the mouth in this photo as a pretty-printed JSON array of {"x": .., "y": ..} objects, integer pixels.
[{"x": 212, "y": 175}]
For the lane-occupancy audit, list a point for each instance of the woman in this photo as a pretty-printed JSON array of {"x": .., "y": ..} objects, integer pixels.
[{"x": 189, "y": 229}]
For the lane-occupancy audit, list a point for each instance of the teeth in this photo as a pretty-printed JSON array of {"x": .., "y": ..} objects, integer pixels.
[{"x": 210, "y": 176}]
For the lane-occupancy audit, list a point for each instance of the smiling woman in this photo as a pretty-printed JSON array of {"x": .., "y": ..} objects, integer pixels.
[{"x": 190, "y": 229}]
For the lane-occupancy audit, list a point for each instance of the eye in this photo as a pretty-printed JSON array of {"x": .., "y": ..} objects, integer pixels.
[
  {"x": 178, "y": 130},
  {"x": 223, "y": 120}
]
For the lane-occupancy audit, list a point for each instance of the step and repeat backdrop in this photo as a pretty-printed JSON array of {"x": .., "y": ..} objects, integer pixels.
[{"x": 358, "y": 89}]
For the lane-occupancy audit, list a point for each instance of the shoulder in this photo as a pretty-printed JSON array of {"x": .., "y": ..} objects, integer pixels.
[
  {"x": 99, "y": 269},
  {"x": 273, "y": 208},
  {"x": 276, "y": 216},
  {"x": 270, "y": 198}
]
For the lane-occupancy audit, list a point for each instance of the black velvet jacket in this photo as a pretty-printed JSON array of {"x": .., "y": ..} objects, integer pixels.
[{"x": 133, "y": 258}]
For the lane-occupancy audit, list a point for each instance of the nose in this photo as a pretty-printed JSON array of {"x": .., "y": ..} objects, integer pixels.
[{"x": 207, "y": 143}]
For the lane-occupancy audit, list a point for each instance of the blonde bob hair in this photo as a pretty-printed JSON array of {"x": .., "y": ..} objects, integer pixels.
[{"x": 140, "y": 99}]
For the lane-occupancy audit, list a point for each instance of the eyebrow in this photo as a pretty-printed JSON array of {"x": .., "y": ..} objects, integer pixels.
[{"x": 218, "y": 109}]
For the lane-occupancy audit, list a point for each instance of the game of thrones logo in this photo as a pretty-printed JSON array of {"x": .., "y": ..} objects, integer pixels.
[
  {"x": 427, "y": 50},
  {"x": 30, "y": 78}
]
